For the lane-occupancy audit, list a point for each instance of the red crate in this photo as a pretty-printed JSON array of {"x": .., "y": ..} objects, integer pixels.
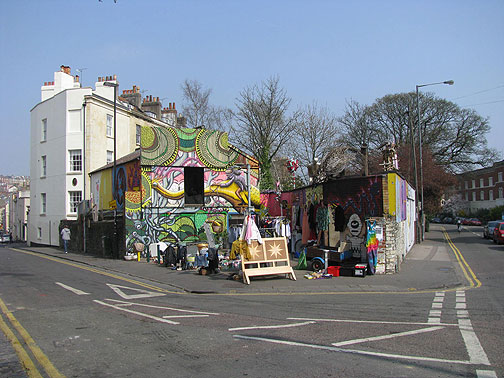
[{"x": 333, "y": 270}]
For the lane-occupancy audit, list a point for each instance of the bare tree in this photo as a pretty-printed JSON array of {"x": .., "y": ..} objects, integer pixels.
[
  {"x": 355, "y": 125},
  {"x": 199, "y": 112},
  {"x": 263, "y": 125},
  {"x": 456, "y": 137},
  {"x": 316, "y": 133},
  {"x": 196, "y": 109}
]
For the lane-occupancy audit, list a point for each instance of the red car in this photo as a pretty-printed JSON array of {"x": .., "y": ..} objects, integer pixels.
[{"x": 498, "y": 236}]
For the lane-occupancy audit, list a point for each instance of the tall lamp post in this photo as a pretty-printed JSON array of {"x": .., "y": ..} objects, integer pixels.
[
  {"x": 422, "y": 215},
  {"x": 114, "y": 178}
]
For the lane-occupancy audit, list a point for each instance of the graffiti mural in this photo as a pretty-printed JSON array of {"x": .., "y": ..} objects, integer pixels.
[
  {"x": 362, "y": 196},
  {"x": 156, "y": 208}
]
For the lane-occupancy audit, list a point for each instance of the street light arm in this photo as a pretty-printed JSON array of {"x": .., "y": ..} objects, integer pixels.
[{"x": 448, "y": 82}]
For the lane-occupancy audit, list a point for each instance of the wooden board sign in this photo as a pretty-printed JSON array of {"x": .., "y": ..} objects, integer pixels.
[{"x": 270, "y": 257}]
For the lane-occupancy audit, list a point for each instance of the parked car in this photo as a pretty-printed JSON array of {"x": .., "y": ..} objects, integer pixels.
[
  {"x": 488, "y": 229},
  {"x": 474, "y": 222},
  {"x": 436, "y": 220},
  {"x": 4, "y": 238},
  {"x": 498, "y": 235},
  {"x": 447, "y": 220},
  {"x": 466, "y": 221}
]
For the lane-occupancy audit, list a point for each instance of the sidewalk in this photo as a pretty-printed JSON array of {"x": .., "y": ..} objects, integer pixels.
[{"x": 428, "y": 266}]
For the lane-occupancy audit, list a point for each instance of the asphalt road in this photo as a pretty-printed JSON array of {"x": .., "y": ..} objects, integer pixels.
[{"x": 77, "y": 321}]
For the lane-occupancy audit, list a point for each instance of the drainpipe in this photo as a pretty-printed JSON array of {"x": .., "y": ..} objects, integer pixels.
[{"x": 84, "y": 171}]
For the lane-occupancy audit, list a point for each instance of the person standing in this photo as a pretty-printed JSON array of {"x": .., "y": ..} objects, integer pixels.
[{"x": 65, "y": 235}]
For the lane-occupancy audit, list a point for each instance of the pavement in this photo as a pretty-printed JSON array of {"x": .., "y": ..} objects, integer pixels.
[{"x": 429, "y": 266}]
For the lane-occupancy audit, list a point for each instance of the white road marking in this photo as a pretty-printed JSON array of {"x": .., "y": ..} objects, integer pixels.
[
  {"x": 394, "y": 335},
  {"x": 434, "y": 320},
  {"x": 437, "y": 305},
  {"x": 144, "y": 293},
  {"x": 184, "y": 316},
  {"x": 460, "y": 293},
  {"x": 438, "y": 299},
  {"x": 435, "y": 313},
  {"x": 486, "y": 374},
  {"x": 476, "y": 353},
  {"x": 462, "y": 314},
  {"x": 272, "y": 327},
  {"x": 136, "y": 313},
  {"x": 353, "y": 351},
  {"x": 460, "y": 306},
  {"x": 73, "y": 290},
  {"x": 122, "y": 303},
  {"x": 371, "y": 322}
]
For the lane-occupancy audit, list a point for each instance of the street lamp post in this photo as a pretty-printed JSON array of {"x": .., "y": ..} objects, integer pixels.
[
  {"x": 114, "y": 178},
  {"x": 422, "y": 214}
]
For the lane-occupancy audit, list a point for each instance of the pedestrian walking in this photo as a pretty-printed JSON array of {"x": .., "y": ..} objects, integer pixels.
[{"x": 65, "y": 235}]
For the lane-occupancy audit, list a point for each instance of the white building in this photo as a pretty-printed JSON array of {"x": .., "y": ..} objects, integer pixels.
[
  {"x": 19, "y": 206},
  {"x": 68, "y": 121}
]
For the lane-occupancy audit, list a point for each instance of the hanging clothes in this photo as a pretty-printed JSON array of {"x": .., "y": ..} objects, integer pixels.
[
  {"x": 312, "y": 221},
  {"x": 322, "y": 219},
  {"x": 252, "y": 232},
  {"x": 372, "y": 246},
  {"x": 240, "y": 247},
  {"x": 305, "y": 229}
]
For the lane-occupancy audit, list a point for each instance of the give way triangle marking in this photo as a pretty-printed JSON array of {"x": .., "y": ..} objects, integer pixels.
[{"x": 119, "y": 290}]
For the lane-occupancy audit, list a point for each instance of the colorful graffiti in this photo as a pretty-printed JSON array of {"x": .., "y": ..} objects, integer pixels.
[
  {"x": 156, "y": 209},
  {"x": 360, "y": 195},
  {"x": 398, "y": 196}
]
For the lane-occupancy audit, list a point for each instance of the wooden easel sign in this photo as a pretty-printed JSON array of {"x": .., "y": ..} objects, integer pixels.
[{"x": 270, "y": 257}]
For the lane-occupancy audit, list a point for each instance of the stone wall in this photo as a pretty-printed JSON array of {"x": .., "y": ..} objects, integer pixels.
[{"x": 99, "y": 237}]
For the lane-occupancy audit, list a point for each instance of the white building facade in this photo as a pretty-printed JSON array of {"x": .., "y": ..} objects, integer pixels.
[
  {"x": 19, "y": 206},
  {"x": 72, "y": 134}
]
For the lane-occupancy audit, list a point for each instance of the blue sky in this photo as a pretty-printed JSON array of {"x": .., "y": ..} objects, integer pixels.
[{"x": 323, "y": 51}]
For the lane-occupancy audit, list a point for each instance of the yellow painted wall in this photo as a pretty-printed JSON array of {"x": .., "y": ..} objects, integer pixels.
[{"x": 392, "y": 179}]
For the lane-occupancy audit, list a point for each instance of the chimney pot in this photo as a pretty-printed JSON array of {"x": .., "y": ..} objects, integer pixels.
[{"x": 115, "y": 77}]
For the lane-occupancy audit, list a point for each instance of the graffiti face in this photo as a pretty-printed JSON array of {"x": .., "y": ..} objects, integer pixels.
[{"x": 354, "y": 225}]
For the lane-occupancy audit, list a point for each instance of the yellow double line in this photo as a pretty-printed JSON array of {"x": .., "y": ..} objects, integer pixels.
[
  {"x": 466, "y": 269},
  {"x": 30, "y": 368}
]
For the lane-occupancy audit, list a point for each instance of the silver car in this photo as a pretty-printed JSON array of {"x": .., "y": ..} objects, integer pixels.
[{"x": 488, "y": 229}]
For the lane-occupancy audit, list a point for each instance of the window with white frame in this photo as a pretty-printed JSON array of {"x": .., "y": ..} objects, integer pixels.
[
  {"x": 490, "y": 195},
  {"x": 110, "y": 156},
  {"x": 75, "y": 160},
  {"x": 39, "y": 232},
  {"x": 43, "y": 166},
  {"x": 43, "y": 136},
  {"x": 474, "y": 196},
  {"x": 138, "y": 134},
  {"x": 499, "y": 175},
  {"x": 482, "y": 195},
  {"x": 109, "y": 125},
  {"x": 481, "y": 183},
  {"x": 43, "y": 203},
  {"x": 466, "y": 196},
  {"x": 466, "y": 184},
  {"x": 75, "y": 199},
  {"x": 473, "y": 182},
  {"x": 490, "y": 181},
  {"x": 500, "y": 193}
]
